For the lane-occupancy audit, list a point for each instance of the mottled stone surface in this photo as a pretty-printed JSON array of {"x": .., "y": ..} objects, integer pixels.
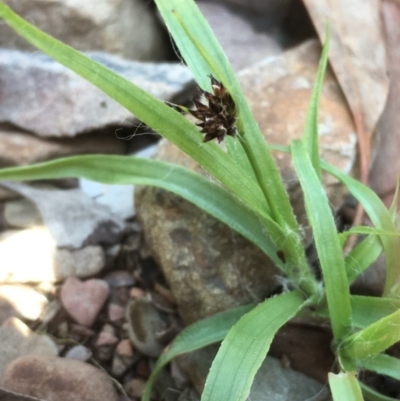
[
  {"x": 125, "y": 27},
  {"x": 41, "y": 96},
  {"x": 53, "y": 378}
]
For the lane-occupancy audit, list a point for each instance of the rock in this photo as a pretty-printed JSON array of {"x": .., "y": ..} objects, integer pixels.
[
  {"x": 41, "y": 261},
  {"x": 119, "y": 278},
  {"x": 124, "y": 357},
  {"x": 135, "y": 387},
  {"x": 17, "y": 339},
  {"x": 84, "y": 300},
  {"x": 274, "y": 8},
  {"x": 207, "y": 267},
  {"x": 79, "y": 353},
  {"x": 53, "y": 378},
  {"x": 274, "y": 382},
  {"x": 106, "y": 338},
  {"x": 124, "y": 349},
  {"x": 73, "y": 218},
  {"x": 127, "y": 27},
  {"x": 241, "y": 31},
  {"x": 115, "y": 312},
  {"x": 144, "y": 322},
  {"x": 6, "y": 194},
  {"x": 21, "y": 148},
  {"x": 80, "y": 263},
  {"x": 20, "y": 301},
  {"x": 61, "y": 104},
  {"x": 22, "y": 213},
  {"x": 136, "y": 293}
]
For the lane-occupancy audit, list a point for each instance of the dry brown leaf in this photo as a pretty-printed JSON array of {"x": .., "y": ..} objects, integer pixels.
[
  {"x": 386, "y": 164},
  {"x": 357, "y": 55}
]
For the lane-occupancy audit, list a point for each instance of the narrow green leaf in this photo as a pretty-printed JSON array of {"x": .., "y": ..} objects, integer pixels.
[
  {"x": 362, "y": 256},
  {"x": 345, "y": 387},
  {"x": 384, "y": 365},
  {"x": 367, "y": 230},
  {"x": 151, "y": 111},
  {"x": 199, "y": 190},
  {"x": 368, "y": 310},
  {"x": 198, "y": 335},
  {"x": 372, "y": 395},
  {"x": 245, "y": 347},
  {"x": 329, "y": 251},
  {"x": 372, "y": 340},
  {"x": 393, "y": 206},
  {"x": 311, "y": 126},
  {"x": 381, "y": 219}
]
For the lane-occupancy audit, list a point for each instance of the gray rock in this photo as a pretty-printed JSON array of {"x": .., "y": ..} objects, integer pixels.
[
  {"x": 84, "y": 262},
  {"x": 22, "y": 213},
  {"x": 209, "y": 268},
  {"x": 126, "y": 27},
  {"x": 73, "y": 218},
  {"x": 79, "y": 353},
  {"x": 271, "y": 8},
  {"x": 61, "y": 104},
  {"x": 245, "y": 35}
]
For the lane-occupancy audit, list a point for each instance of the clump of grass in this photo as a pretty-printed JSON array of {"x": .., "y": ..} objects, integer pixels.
[{"x": 252, "y": 200}]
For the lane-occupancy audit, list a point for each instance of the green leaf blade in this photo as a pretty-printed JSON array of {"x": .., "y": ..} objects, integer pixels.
[
  {"x": 311, "y": 126},
  {"x": 329, "y": 251},
  {"x": 199, "y": 190},
  {"x": 246, "y": 346},
  {"x": 345, "y": 387},
  {"x": 372, "y": 340},
  {"x": 380, "y": 217}
]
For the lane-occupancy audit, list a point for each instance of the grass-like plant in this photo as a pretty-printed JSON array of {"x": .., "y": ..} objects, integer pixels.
[{"x": 249, "y": 197}]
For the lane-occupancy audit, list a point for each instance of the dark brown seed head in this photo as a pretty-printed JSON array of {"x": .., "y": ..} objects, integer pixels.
[{"x": 217, "y": 119}]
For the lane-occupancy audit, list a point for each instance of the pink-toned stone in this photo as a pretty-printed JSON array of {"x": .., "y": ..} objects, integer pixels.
[
  {"x": 84, "y": 300},
  {"x": 106, "y": 339},
  {"x": 136, "y": 293},
  {"x": 115, "y": 312},
  {"x": 53, "y": 378},
  {"x": 124, "y": 348}
]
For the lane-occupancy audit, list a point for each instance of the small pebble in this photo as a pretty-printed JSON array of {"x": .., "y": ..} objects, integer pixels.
[
  {"x": 135, "y": 387},
  {"x": 119, "y": 278},
  {"x": 83, "y": 300},
  {"x": 136, "y": 293},
  {"x": 115, "y": 312},
  {"x": 106, "y": 339},
  {"x": 79, "y": 353},
  {"x": 124, "y": 348}
]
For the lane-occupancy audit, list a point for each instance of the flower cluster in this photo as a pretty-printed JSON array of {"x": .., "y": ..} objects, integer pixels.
[{"x": 219, "y": 116}]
